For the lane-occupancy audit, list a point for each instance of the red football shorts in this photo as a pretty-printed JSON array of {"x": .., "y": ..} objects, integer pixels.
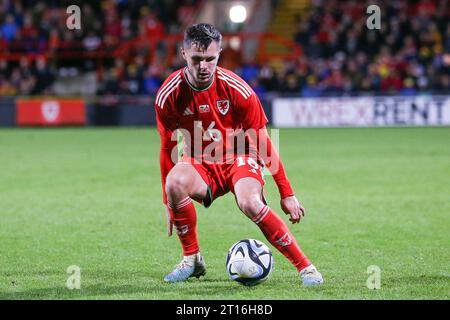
[{"x": 222, "y": 177}]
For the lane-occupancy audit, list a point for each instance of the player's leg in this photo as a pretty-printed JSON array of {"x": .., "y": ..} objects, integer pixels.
[
  {"x": 248, "y": 192},
  {"x": 184, "y": 181},
  {"x": 248, "y": 197},
  {"x": 182, "y": 184}
]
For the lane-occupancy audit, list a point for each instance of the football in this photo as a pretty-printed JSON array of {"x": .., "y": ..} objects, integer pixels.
[{"x": 249, "y": 262}]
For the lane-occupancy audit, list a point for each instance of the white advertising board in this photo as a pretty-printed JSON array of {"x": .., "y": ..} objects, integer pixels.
[{"x": 361, "y": 111}]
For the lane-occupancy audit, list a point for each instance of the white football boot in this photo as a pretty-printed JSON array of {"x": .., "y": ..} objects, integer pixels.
[
  {"x": 190, "y": 266},
  {"x": 310, "y": 276}
]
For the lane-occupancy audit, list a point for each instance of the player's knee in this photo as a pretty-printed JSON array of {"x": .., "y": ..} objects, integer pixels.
[
  {"x": 176, "y": 184},
  {"x": 251, "y": 206}
]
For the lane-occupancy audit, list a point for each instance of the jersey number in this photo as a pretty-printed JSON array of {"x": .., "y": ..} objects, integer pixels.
[{"x": 251, "y": 162}]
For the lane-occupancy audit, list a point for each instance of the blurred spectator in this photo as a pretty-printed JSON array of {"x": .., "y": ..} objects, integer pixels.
[
  {"x": 248, "y": 71},
  {"x": 133, "y": 83},
  {"x": 409, "y": 55},
  {"x": 154, "y": 29},
  {"x": 110, "y": 83},
  {"x": 4, "y": 69},
  {"x": 153, "y": 78},
  {"x": 268, "y": 78},
  {"x": 403, "y": 57},
  {"x": 231, "y": 57},
  {"x": 408, "y": 87},
  {"x": 9, "y": 28},
  {"x": 91, "y": 42},
  {"x": 443, "y": 83},
  {"x": 44, "y": 77},
  {"x": 311, "y": 89},
  {"x": 6, "y": 88}
]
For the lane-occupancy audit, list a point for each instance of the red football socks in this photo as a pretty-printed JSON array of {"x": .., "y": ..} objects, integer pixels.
[
  {"x": 184, "y": 219},
  {"x": 278, "y": 234}
]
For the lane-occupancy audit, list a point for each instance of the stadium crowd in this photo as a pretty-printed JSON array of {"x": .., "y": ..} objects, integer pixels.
[
  {"x": 408, "y": 55},
  {"x": 30, "y": 29}
]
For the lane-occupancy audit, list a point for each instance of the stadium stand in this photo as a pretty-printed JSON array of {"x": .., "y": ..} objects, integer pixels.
[
  {"x": 124, "y": 45},
  {"x": 409, "y": 54}
]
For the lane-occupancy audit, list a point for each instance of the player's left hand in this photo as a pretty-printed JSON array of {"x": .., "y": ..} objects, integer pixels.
[{"x": 292, "y": 207}]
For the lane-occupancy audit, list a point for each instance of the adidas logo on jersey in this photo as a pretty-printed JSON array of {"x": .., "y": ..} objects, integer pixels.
[{"x": 187, "y": 112}]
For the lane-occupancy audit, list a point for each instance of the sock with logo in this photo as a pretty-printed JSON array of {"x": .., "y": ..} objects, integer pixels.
[
  {"x": 278, "y": 234},
  {"x": 184, "y": 219}
]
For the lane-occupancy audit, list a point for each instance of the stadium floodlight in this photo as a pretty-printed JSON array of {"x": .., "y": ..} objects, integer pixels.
[{"x": 238, "y": 14}]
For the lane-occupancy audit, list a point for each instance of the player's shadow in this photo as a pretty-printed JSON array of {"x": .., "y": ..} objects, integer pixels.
[
  {"x": 61, "y": 293},
  {"x": 392, "y": 282},
  {"x": 101, "y": 291},
  {"x": 156, "y": 289}
]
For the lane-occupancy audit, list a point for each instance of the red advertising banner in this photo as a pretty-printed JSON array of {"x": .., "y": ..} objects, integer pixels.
[{"x": 50, "y": 112}]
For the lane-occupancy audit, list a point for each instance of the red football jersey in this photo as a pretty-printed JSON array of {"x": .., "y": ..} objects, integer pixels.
[
  {"x": 215, "y": 123},
  {"x": 211, "y": 119}
]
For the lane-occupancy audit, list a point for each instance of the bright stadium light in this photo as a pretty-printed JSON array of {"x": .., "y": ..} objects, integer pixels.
[{"x": 238, "y": 14}]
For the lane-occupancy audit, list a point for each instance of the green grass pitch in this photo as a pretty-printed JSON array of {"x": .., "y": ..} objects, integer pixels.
[{"x": 92, "y": 198}]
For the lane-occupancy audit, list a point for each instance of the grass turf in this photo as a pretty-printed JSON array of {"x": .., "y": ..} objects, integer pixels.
[{"x": 92, "y": 198}]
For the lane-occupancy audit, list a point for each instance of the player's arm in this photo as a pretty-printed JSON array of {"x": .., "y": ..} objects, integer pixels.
[
  {"x": 165, "y": 153},
  {"x": 269, "y": 154},
  {"x": 165, "y": 156},
  {"x": 253, "y": 117}
]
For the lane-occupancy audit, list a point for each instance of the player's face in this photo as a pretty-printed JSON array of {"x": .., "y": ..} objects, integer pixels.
[{"x": 201, "y": 63}]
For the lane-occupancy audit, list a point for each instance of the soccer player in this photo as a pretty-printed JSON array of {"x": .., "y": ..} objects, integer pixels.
[{"x": 226, "y": 147}]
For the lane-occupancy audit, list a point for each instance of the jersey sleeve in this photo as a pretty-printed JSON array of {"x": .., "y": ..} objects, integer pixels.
[
  {"x": 253, "y": 117},
  {"x": 166, "y": 123},
  {"x": 165, "y": 116},
  {"x": 251, "y": 111}
]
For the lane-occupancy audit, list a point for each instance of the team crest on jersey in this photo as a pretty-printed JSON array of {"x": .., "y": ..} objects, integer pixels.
[{"x": 223, "y": 106}]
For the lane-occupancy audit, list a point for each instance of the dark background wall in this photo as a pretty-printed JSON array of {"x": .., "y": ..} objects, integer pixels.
[
  {"x": 118, "y": 111},
  {"x": 7, "y": 112}
]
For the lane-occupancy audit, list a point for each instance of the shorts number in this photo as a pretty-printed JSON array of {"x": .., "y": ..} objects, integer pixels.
[{"x": 251, "y": 162}]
